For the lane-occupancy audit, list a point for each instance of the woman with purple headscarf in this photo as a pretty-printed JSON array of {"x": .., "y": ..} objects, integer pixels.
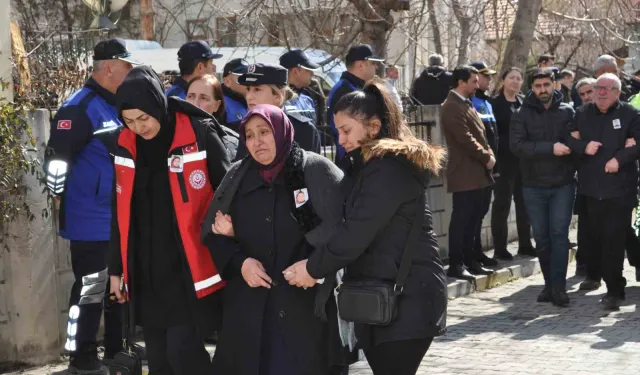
[{"x": 272, "y": 209}]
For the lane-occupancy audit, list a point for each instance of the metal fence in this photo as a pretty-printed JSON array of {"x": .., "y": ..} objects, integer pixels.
[{"x": 58, "y": 64}]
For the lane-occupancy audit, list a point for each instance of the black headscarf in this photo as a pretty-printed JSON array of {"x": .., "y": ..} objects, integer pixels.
[{"x": 142, "y": 89}]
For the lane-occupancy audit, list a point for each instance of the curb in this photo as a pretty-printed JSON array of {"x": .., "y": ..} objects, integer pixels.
[{"x": 508, "y": 271}]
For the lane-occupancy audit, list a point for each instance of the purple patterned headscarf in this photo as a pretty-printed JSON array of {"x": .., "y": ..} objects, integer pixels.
[{"x": 282, "y": 132}]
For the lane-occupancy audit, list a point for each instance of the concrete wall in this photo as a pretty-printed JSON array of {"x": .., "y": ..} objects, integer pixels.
[
  {"x": 35, "y": 278},
  {"x": 440, "y": 201}
]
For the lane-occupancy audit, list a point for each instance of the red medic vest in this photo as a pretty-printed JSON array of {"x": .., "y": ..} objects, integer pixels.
[{"x": 191, "y": 191}]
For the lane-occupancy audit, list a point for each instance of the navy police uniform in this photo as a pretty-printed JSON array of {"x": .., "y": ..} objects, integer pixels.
[
  {"x": 190, "y": 51},
  {"x": 79, "y": 170},
  {"x": 347, "y": 84},
  {"x": 235, "y": 104},
  {"x": 305, "y": 133},
  {"x": 304, "y": 104}
]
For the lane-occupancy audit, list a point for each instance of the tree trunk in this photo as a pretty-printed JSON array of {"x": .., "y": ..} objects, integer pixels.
[
  {"x": 521, "y": 37},
  {"x": 435, "y": 28},
  {"x": 147, "y": 18},
  {"x": 465, "y": 31}
]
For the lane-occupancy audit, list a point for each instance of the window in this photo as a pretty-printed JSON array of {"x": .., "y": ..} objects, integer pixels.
[
  {"x": 197, "y": 29},
  {"x": 226, "y": 30}
]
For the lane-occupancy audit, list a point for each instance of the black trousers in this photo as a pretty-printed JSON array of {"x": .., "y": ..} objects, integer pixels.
[
  {"x": 608, "y": 225},
  {"x": 484, "y": 210},
  {"x": 508, "y": 187},
  {"x": 580, "y": 209},
  {"x": 465, "y": 218},
  {"x": 90, "y": 288},
  {"x": 397, "y": 357},
  {"x": 176, "y": 351}
]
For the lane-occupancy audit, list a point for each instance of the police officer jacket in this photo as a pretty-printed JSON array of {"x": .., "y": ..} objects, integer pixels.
[
  {"x": 347, "y": 84},
  {"x": 235, "y": 106},
  {"x": 612, "y": 129},
  {"x": 78, "y": 165},
  {"x": 482, "y": 105},
  {"x": 179, "y": 88},
  {"x": 305, "y": 134}
]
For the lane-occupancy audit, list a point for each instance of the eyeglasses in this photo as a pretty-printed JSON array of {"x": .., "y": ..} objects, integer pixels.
[{"x": 604, "y": 88}]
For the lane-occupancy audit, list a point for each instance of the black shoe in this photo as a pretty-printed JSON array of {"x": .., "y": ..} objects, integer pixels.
[
  {"x": 87, "y": 365},
  {"x": 545, "y": 295},
  {"x": 581, "y": 270},
  {"x": 503, "y": 255},
  {"x": 589, "y": 284},
  {"x": 611, "y": 303},
  {"x": 572, "y": 245},
  {"x": 527, "y": 251},
  {"x": 488, "y": 262},
  {"x": 559, "y": 297},
  {"x": 460, "y": 272},
  {"x": 476, "y": 268}
]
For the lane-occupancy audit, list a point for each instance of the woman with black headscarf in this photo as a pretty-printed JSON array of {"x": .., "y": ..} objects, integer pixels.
[
  {"x": 271, "y": 210},
  {"x": 168, "y": 162}
]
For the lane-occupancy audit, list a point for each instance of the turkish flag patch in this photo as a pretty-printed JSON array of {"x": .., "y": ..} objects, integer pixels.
[
  {"x": 190, "y": 149},
  {"x": 64, "y": 124}
]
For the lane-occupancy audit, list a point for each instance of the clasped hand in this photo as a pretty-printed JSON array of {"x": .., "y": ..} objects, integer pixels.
[
  {"x": 297, "y": 275},
  {"x": 223, "y": 225}
]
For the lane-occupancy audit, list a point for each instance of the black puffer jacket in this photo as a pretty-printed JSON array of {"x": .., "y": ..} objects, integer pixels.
[
  {"x": 612, "y": 129},
  {"x": 534, "y": 131}
]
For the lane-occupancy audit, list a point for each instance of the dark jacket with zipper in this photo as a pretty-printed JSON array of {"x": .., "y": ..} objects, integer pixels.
[
  {"x": 612, "y": 129},
  {"x": 503, "y": 110},
  {"x": 534, "y": 131},
  {"x": 160, "y": 284},
  {"x": 381, "y": 201}
]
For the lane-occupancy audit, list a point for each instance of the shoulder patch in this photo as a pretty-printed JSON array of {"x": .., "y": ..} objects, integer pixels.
[{"x": 64, "y": 125}]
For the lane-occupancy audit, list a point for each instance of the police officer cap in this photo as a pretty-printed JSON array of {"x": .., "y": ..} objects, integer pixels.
[
  {"x": 361, "y": 52},
  {"x": 196, "y": 50},
  {"x": 235, "y": 66},
  {"x": 113, "y": 49},
  {"x": 264, "y": 74},
  {"x": 297, "y": 58},
  {"x": 482, "y": 68}
]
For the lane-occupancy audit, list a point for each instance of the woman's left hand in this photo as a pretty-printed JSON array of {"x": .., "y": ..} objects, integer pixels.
[
  {"x": 223, "y": 225},
  {"x": 297, "y": 275}
]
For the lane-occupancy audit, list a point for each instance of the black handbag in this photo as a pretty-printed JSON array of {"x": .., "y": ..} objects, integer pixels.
[
  {"x": 126, "y": 362},
  {"x": 374, "y": 301}
]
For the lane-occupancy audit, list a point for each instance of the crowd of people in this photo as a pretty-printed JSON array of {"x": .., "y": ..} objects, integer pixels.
[
  {"x": 202, "y": 209},
  {"x": 206, "y": 209},
  {"x": 553, "y": 155}
]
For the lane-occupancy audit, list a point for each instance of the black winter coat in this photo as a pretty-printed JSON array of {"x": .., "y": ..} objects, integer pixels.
[
  {"x": 503, "y": 110},
  {"x": 379, "y": 211},
  {"x": 612, "y": 129},
  {"x": 262, "y": 324},
  {"x": 534, "y": 131}
]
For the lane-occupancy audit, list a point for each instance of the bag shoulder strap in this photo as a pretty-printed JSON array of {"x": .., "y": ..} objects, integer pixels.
[{"x": 411, "y": 245}]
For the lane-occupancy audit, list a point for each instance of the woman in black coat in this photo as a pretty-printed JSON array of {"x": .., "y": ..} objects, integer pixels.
[
  {"x": 389, "y": 175},
  {"x": 169, "y": 160},
  {"x": 509, "y": 182},
  {"x": 265, "y": 217}
]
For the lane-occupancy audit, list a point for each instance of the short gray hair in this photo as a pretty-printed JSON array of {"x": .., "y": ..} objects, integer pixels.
[
  {"x": 584, "y": 82},
  {"x": 97, "y": 65},
  {"x": 611, "y": 77},
  {"x": 436, "y": 59},
  {"x": 605, "y": 61}
]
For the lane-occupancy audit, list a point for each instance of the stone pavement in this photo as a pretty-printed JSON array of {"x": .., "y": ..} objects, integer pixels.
[{"x": 505, "y": 331}]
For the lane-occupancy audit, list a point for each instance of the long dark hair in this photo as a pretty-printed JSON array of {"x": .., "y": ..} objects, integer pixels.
[
  {"x": 217, "y": 93},
  {"x": 374, "y": 102}
]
